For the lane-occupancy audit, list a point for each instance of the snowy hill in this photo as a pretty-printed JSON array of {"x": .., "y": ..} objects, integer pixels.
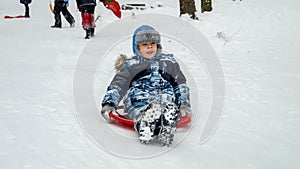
[{"x": 52, "y": 81}]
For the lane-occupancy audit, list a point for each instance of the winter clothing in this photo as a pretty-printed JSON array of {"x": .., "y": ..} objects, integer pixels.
[
  {"x": 153, "y": 90},
  {"x": 87, "y": 9},
  {"x": 142, "y": 28},
  {"x": 61, "y": 6},
  {"x": 25, "y": 1},
  {"x": 106, "y": 110},
  {"x": 147, "y": 36},
  {"x": 141, "y": 80},
  {"x": 26, "y": 4}
]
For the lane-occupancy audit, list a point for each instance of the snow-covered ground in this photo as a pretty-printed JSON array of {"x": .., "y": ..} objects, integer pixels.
[{"x": 44, "y": 72}]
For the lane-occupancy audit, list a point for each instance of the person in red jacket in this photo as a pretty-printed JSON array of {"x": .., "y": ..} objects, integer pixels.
[{"x": 87, "y": 9}]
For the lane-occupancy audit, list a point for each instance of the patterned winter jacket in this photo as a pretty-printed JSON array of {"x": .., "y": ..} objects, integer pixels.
[{"x": 142, "y": 80}]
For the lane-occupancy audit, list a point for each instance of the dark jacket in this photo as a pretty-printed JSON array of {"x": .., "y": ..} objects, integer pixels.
[
  {"x": 25, "y": 1},
  {"x": 81, "y": 3}
]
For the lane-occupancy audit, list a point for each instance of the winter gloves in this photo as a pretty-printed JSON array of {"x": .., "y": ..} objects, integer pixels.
[
  {"x": 185, "y": 114},
  {"x": 106, "y": 110},
  {"x": 185, "y": 110}
]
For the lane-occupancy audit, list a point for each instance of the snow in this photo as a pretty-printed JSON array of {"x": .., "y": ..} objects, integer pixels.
[{"x": 52, "y": 82}]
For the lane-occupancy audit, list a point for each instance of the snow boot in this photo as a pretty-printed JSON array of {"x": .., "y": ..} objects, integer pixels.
[
  {"x": 72, "y": 24},
  {"x": 56, "y": 26},
  {"x": 88, "y": 34},
  {"x": 149, "y": 122},
  {"x": 170, "y": 118},
  {"x": 27, "y": 14},
  {"x": 92, "y": 31}
]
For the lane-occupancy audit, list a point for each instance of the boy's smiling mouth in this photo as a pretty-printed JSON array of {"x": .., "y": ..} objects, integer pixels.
[{"x": 150, "y": 52}]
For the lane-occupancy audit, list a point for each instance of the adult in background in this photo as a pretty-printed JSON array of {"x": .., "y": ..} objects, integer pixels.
[
  {"x": 26, "y": 4},
  {"x": 62, "y": 6}
]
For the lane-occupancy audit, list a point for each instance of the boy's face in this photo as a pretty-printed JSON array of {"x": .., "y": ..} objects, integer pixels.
[{"x": 148, "y": 50}]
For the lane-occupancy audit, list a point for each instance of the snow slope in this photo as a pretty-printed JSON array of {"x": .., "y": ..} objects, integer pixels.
[{"x": 256, "y": 42}]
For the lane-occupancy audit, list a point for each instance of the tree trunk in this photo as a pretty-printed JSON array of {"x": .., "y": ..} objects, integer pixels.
[
  {"x": 206, "y": 5},
  {"x": 188, "y": 7}
]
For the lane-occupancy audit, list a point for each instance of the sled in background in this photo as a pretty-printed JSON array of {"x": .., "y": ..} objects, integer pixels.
[
  {"x": 139, "y": 6},
  {"x": 13, "y": 17},
  {"x": 114, "y": 6}
]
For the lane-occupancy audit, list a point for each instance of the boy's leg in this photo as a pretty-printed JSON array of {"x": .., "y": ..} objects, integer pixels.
[
  {"x": 170, "y": 118},
  {"x": 148, "y": 122}
]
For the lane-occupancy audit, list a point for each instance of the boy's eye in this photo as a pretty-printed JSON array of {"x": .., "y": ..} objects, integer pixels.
[{"x": 145, "y": 44}]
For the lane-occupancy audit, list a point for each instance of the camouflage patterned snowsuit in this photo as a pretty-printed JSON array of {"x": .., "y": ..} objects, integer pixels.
[{"x": 141, "y": 81}]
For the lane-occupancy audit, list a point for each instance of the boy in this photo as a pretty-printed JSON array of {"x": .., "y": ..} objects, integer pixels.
[{"x": 153, "y": 88}]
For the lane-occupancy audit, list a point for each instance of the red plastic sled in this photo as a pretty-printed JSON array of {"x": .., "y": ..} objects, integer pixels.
[
  {"x": 114, "y": 6},
  {"x": 11, "y": 17},
  {"x": 183, "y": 120}
]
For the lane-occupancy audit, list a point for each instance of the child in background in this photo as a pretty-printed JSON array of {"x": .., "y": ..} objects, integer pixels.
[
  {"x": 153, "y": 89},
  {"x": 26, "y": 4},
  {"x": 87, "y": 9},
  {"x": 62, "y": 6}
]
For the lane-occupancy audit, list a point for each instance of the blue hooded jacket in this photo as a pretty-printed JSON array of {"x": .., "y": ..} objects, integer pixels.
[
  {"x": 141, "y": 81},
  {"x": 141, "y": 28}
]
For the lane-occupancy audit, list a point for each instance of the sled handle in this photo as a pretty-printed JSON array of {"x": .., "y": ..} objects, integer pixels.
[
  {"x": 183, "y": 120},
  {"x": 121, "y": 119}
]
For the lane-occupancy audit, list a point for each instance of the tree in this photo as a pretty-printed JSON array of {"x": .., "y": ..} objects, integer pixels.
[
  {"x": 189, "y": 7},
  {"x": 206, "y": 5}
]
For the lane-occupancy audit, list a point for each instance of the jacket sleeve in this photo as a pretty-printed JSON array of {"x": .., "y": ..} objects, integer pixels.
[
  {"x": 182, "y": 94},
  {"x": 181, "y": 89},
  {"x": 117, "y": 88}
]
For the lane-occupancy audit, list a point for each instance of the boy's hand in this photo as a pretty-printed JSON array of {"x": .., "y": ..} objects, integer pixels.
[
  {"x": 185, "y": 114},
  {"x": 106, "y": 110},
  {"x": 184, "y": 110}
]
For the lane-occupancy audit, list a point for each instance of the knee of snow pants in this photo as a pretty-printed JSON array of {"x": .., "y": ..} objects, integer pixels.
[{"x": 88, "y": 21}]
